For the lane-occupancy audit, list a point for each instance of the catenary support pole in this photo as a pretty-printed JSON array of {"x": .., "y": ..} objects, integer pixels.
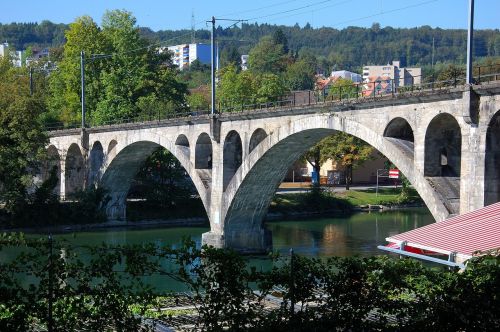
[
  {"x": 470, "y": 46},
  {"x": 31, "y": 81},
  {"x": 213, "y": 66},
  {"x": 82, "y": 68}
]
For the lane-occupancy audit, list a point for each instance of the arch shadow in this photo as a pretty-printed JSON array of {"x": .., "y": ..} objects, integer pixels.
[
  {"x": 74, "y": 173},
  {"x": 492, "y": 162},
  {"x": 119, "y": 174}
]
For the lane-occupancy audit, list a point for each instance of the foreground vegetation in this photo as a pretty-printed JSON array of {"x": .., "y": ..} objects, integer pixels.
[{"x": 107, "y": 288}]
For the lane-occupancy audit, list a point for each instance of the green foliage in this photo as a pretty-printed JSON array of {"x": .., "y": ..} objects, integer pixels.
[
  {"x": 164, "y": 179},
  {"x": 452, "y": 75},
  {"x": 22, "y": 140},
  {"x": 230, "y": 55},
  {"x": 343, "y": 89},
  {"x": 317, "y": 200},
  {"x": 300, "y": 75},
  {"x": 64, "y": 104},
  {"x": 347, "y": 150},
  {"x": 198, "y": 101},
  {"x": 267, "y": 56},
  {"x": 131, "y": 81},
  {"x": 86, "y": 294},
  {"x": 106, "y": 290}
]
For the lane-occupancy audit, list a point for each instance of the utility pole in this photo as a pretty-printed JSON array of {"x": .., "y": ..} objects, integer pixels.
[
  {"x": 470, "y": 37},
  {"x": 214, "y": 55},
  {"x": 193, "y": 38},
  {"x": 432, "y": 59},
  {"x": 31, "y": 81},
  {"x": 212, "y": 73},
  {"x": 82, "y": 65}
]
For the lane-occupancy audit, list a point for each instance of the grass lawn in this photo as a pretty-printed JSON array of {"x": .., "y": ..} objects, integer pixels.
[
  {"x": 339, "y": 200},
  {"x": 369, "y": 196}
]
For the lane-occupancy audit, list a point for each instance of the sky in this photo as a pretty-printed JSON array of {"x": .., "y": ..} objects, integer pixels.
[{"x": 176, "y": 15}]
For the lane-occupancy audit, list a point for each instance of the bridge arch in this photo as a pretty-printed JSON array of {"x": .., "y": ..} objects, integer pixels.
[
  {"x": 253, "y": 186},
  {"x": 492, "y": 161},
  {"x": 399, "y": 128},
  {"x": 400, "y": 133},
  {"x": 203, "y": 153},
  {"x": 74, "y": 173},
  {"x": 443, "y": 146},
  {"x": 53, "y": 160},
  {"x": 111, "y": 153},
  {"x": 257, "y": 136},
  {"x": 96, "y": 164},
  {"x": 125, "y": 165},
  {"x": 232, "y": 156},
  {"x": 182, "y": 144}
]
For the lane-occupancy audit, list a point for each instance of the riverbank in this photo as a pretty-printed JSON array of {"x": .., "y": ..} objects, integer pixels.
[{"x": 310, "y": 204}]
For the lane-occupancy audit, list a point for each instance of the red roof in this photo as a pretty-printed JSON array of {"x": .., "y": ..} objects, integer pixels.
[{"x": 465, "y": 234}]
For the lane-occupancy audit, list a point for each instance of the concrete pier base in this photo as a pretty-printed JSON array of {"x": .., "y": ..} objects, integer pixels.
[{"x": 255, "y": 241}]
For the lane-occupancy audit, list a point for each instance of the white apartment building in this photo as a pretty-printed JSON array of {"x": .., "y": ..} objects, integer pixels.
[
  {"x": 348, "y": 75},
  {"x": 185, "y": 54},
  {"x": 244, "y": 62},
  {"x": 16, "y": 57}
]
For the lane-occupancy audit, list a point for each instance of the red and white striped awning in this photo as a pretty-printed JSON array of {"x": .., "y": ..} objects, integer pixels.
[{"x": 461, "y": 236}]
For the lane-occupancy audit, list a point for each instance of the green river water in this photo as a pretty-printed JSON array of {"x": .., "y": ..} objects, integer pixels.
[{"x": 357, "y": 234}]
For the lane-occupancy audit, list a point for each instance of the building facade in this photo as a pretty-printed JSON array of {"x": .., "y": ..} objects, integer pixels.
[
  {"x": 244, "y": 62},
  {"x": 388, "y": 78},
  {"x": 16, "y": 56},
  {"x": 347, "y": 75},
  {"x": 185, "y": 54}
]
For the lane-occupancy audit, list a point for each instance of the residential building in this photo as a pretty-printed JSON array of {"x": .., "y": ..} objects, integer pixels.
[
  {"x": 244, "y": 62},
  {"x": 393, "y": 73},
  {"x": 348, "y": 75},
  {"x": 323, "y": 83},
  {"x": 37, "y": 54},
  {"x": 185, "y": 54},
  {"x": 16, "y": 56}
]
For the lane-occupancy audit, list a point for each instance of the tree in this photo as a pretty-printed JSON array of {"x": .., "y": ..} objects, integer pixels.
[
  {"x": 345, "y": 149},
  {"x": 451, "y": 75},
  {"x": 164, "y": 179},
  {"x": 22, "y": 140},
  {"x": 64, "y": 103},
  {"x": 343, "y": 89},
  {"x": 267, "y": 57},
  {"x": 316, "y": 156},
  {"x": 349, "y": 151},
  {"x": 235, "y": 88},
  {"x": 269, "y": 87},
  {"x": 125, "y": 76},
  {"x": 230, "y": 55},
  {"x": 300, "y": 76},
  {"x": 279, "y": 38}
]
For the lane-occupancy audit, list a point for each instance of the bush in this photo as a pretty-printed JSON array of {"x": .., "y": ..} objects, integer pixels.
[{"x": 107, "y": 288}]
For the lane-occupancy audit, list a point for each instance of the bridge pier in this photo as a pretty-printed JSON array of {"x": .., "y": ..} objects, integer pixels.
[
  {"x": 250, "y": 241},
  {"x": 116, "y": 206}
]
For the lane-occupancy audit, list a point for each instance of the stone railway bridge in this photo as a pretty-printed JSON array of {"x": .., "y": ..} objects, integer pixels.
[{"x": 446, "y": 142}]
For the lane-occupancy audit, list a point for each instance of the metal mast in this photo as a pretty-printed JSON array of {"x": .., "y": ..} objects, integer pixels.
[
  {"x": 82, "y": 65},
  {"x": 470, "y": 37}
]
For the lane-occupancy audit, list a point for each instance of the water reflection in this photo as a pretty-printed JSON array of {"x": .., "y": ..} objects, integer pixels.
[{"x": 358, "y": 234}]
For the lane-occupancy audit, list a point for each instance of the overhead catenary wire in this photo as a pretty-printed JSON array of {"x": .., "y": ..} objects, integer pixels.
[
  {"x": 300, "y": 9},
  {"x": 343, "y": 22}
]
